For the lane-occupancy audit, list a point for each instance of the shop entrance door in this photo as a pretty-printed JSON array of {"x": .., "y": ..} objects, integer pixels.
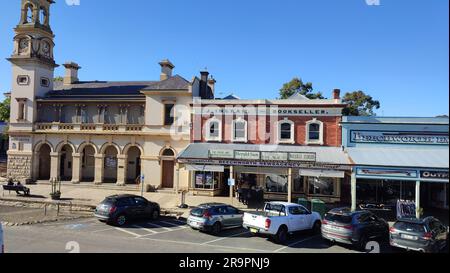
[{"x": 167, "y": 173}]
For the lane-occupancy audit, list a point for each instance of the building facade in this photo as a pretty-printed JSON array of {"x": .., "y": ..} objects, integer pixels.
[
  {"x": 96, "y": 131},
  {"x": 287, "y": 148},
  {"x": 398, "y": 158}
]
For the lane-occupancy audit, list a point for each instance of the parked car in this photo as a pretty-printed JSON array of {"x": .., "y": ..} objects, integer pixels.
[
  {"x": 2, "y": 244},
  {"x": 214, "y": 217},
  {"x": 278, "y": 219},
  {"x": 424, "y": 235},
  {"x": 353, "y": 227},
  {"x": 119, "y": 209}
]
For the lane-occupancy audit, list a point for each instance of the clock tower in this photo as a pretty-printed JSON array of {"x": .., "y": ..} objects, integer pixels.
[{"x": 33, "y": 67}]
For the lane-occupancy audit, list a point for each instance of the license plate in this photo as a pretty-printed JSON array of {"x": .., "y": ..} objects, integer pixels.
[
  {"x": 408, "y": 237},
  {"x": 253, "y": 230}
]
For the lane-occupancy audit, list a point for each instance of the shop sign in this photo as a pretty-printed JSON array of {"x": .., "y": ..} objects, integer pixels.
[
  {"x": 274, "y": 156},
  {"x": 246, "y": 155},
  {"x": 231, "y": 182},
  {"x": 221, "y": 154},
  {"x": 110, "y": 162},
  {"x": 302, "y": 156},
  {"x": 434, "y": 175},
  {"x": 398, "y": 173},
  {"x": 252, "y": 110},
  {"x": 387, "y": 137}
]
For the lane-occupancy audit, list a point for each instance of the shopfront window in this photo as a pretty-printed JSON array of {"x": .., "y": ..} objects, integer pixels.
[
  {"x": 298, "y": 184},
  {"x": 206, "y": 180},
  {"x": 321, "y": 185},
  {"x": 276, "y": 183},
  {"x": 384, "y": 191}
]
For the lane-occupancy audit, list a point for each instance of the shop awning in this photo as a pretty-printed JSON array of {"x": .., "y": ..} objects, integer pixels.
[
  {"x": 433, "y": 157},
  {"x": 205, "y": 168},
  {"x": 313, "y": 154}
]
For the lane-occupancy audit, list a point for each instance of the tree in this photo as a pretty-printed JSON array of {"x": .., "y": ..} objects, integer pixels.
[
  {"x": 5, "y": 108},
  {"x": 359, "y": 104},
  {"x": 296, "y": 85}
]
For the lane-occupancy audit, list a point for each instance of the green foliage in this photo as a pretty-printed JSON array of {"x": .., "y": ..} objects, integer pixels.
[
  {"x": 359, "y": 104},
  {"x": 58, "y": 79},
  {"x": 5, "y": 109},
  {"x": 296, "y": 85}
]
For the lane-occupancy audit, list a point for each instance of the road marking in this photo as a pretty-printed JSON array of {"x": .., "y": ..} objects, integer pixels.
[
  {"x": 129, "y": 232},
  {"x": 198, "y": 244},
  {"x": 162, "y": 232},
  {"x": 101, "y": 230},
  {"x": 170, "y": 224},
  {"x": 146, "y": 229},
  {"x": 295, "y": 243},
  {"x": 224, "y": 238},
  {"x": 179, "y": 221},
  {"x": 158, "y": 226}
]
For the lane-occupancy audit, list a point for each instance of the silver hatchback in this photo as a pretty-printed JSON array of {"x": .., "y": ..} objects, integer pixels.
[{"x": 214, "y": 217}]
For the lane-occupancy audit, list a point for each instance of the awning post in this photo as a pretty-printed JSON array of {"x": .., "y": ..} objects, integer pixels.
[
  {"x": 353, "y": 189},
  {"x": 289, "y": 185},
  {"x": 418, "y": 199},
  {"x": 231, "y": 186}
]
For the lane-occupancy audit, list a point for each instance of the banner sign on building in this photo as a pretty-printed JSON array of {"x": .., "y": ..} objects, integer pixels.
[
  {"x": 434, "y": 175},
  {"x": 385, "y": 137},
  {"x": 264, "y": 156},
  {"x": 397, "y": 173}
]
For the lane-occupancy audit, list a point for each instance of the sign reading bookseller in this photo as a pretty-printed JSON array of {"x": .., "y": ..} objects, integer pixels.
[
  {"x": 399, "y": 137},
  {"x": 263, "y": 156}
]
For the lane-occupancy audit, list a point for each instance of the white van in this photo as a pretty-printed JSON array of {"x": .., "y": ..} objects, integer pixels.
[{"x": 2, "y": 246}]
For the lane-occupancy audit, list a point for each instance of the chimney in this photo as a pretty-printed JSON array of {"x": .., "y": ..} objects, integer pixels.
[
  {"x": 71, "y": 73},
  {"x": 166, "y": 69},
  {"x": 204, "y": 84},
  {"x": 337, "y": 94},
  {"x": 212, "y": 83}
]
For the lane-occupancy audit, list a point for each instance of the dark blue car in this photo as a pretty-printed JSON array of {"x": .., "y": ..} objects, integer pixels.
[{"x": 120, "y": 209}]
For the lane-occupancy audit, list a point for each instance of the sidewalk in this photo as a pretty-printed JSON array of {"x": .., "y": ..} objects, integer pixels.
[{"x": 83, "y": 195}]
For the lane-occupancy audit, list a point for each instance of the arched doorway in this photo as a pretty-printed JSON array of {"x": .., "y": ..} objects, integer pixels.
[
  {"x": 65, "y": 163},
  {"x": 44, "y": 162},
  {"x": 133, "y": 164},
  {"x": 168, "y": 166},
  {"x": 88, "y": 164},
  {"x": 110, "y": 165}
]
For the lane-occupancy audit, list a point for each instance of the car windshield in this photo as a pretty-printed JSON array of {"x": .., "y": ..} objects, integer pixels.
[
  {"x": 109, "y": 201},
  {"x": 411, "y": 227},
  {"x": 198, "y": 211},
  {"x": 338, "y": 218}
]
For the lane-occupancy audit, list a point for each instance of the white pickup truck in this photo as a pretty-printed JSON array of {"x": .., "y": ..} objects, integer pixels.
[{"x": 278, "y": 219}]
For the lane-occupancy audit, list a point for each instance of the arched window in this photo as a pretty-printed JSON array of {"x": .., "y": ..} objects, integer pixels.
[
  {"x": 29, "y": 18},
  {"x": 213, "y": 130},
  {"x": 239, "y": 133},
  {"x": 43, "y": 16},
  {"x": 168, "y": 152},
  {"x": 286, "y": 131},
  {"x": 314, "y": 132}
]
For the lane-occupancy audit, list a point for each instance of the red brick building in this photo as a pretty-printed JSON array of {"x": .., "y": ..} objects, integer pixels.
[{"x": 286, "y": 148}]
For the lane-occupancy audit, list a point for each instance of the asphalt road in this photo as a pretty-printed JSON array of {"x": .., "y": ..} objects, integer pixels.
[{"x": 167, "y": 235}]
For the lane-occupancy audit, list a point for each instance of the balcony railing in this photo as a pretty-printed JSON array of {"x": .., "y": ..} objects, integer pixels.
[{"x": 56, "y": 127}]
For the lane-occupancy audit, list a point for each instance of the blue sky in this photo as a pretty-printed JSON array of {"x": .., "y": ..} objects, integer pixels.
[{"x": 397, "y": 51}]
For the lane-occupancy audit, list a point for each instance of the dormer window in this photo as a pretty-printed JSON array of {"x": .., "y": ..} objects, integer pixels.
[
  {"x": 239, "y": 130},
  {"x": 286, "y": 131},
  {"x": 213, "y": 130},
  {"x": 314, "y": 132}
]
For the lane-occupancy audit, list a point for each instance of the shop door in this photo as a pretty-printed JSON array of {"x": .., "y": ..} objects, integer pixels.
[{"x": 167, "y": 173}]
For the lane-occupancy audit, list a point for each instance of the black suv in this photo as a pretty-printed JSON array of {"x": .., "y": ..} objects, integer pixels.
[
  {"x": 119, "y": 209},
  {"x": 424, "y": 235},
  {"x": 353, "y": 227}
]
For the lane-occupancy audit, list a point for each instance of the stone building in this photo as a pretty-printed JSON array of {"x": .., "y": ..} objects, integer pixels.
[{"x": 97, "y": 131}]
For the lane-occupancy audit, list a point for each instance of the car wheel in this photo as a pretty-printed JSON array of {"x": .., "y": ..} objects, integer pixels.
[
  {"x": 216, "y": 228},
  {"x": 316, "y": 227},
  {"x": 362, "y": 243},
  {"x": 155, "y": 214},
  {"x": 281, "y": 235},
  {"x": 121, "y": 220}
]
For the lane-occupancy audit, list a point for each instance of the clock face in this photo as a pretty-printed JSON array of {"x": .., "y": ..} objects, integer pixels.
[{"x": 23, "y": 44}]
